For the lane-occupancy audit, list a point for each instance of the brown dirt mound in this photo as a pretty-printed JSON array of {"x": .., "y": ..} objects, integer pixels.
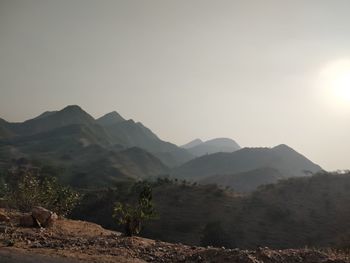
[{"x": 71, "y": 241}]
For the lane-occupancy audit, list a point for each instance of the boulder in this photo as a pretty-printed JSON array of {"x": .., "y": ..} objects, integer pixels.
[
  {"x": 26, "y": 220},
  {"x": 4, "y": 218},
  {"x": 44, "y": 217},
  {"x": 51, "y": 221}
]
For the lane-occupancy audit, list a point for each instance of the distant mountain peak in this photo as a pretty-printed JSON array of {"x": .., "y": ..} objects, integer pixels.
[
  {"x": 198, "y": 147},
  {"x": 222, "y": 141},
  {"x": 110, "y": 118},
  {"x": 72, "y": 108},
  {"x": 193, "y": 143},
  {"x": 284, "y": 148}
]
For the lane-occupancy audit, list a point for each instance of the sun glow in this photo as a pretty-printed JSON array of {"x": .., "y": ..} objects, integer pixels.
[{"x": 335, "y": 79}]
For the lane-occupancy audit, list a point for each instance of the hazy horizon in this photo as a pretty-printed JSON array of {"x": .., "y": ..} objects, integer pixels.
[{"x": 258, "y": 72}]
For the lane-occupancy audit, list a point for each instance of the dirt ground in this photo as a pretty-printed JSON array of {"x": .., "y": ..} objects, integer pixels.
[{"x": 71, "y": 241}]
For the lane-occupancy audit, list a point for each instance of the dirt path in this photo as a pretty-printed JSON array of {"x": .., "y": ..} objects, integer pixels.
[{"x": 12, "y": 255}]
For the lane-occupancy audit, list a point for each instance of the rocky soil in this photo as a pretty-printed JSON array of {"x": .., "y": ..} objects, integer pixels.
[{"x": 69, "y": 241}]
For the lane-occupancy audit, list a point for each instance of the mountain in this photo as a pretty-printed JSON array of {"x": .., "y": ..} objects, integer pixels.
[
  {"x": 246, "y": 181},
  {"x": 52, "y": 120},
  {"x": 110, "y": 119},
  {"x": 82, "y": 159},
  {"x": 134, "y": 134},
  {"x": 200, "y": 148},
  {"x": 69, "y": 137},
  {"x": 282, "y": 158},
  {"x": 91, "y": 152},
  {"x": 191, "y": 144}
]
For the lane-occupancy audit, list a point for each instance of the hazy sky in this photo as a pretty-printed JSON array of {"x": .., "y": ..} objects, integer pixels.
[{"x": 249, "y": 70}]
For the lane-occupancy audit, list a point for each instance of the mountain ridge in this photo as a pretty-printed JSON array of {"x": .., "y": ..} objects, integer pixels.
[
  {"x": 283, "y": 158},
  {"x": 199, "y": 148}
]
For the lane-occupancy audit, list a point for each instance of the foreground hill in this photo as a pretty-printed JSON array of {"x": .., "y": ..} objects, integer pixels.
[
  {"x": 71, "y": 241},
  {"x": 200, "y": 148},
  {"x": 282, "y": 158},
  {"x": 293, "y": 213}
]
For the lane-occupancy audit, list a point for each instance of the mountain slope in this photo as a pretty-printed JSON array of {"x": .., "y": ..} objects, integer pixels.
[
  {"x": 246, "y": 181},
  {"x": 283, "y": 158},
  {"x": 87, "y": 166},
  {"x": 111, "y": 131},
  {"x": 110, "y": 119},
  {"x": 134, "y": 134},
  {"x": 80, "y": 153},
  {"x": 5, "y": 132},
  {"x": 212, "y": 146},
  {"x": 100, "y": 168}
]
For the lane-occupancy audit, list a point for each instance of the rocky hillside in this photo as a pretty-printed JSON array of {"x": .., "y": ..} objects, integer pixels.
[{"x": 69, "y": 241}]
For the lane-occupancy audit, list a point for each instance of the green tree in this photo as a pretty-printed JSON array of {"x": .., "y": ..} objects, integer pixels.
[{"x": 133, "y": 215}]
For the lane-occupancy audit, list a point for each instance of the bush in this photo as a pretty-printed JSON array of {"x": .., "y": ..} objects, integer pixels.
[{"x": 27, "y": 187}]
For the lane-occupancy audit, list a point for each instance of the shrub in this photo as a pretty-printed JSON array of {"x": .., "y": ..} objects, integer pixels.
[
  {"x": 28, "y": 187},
  {"x": 133, "y": 215}
]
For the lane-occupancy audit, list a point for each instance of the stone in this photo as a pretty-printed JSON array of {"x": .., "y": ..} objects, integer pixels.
[
  {"x": 44, "y": 217},
  {"x": 26, "y": 221},
  {"x": 4, "y": 218}
]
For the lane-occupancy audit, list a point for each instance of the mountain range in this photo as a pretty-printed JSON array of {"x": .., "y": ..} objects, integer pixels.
[
  {"x": 97, "y": 152},
  {"x": 254, "y": 166},
  {"x": 91, "y": 152}
]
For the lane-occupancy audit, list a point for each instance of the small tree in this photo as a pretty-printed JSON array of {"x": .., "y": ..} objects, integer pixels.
[{"x": 132, "y": 215}]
